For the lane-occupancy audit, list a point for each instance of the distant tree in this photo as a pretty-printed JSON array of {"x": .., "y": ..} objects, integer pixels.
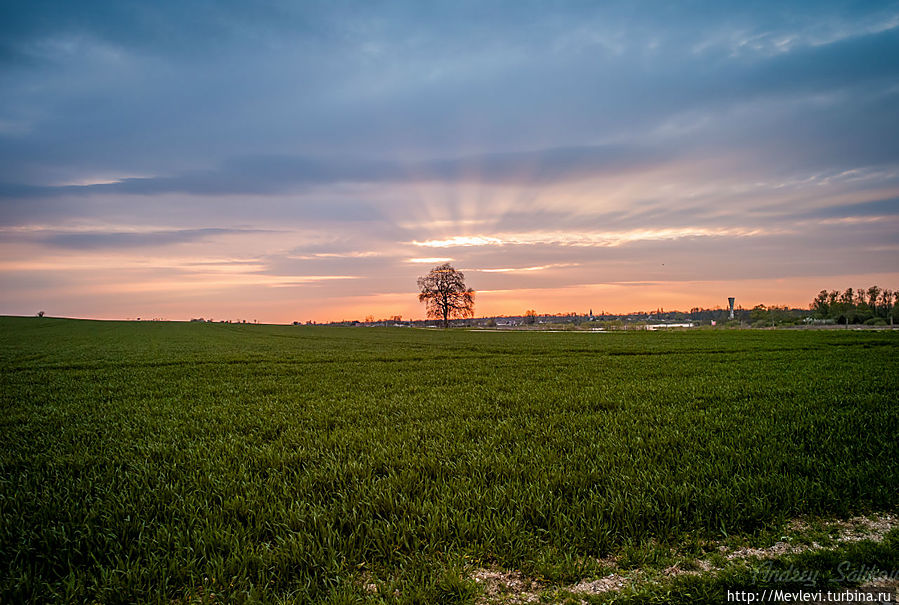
[
  {"x": 369, "y": 319},
  {"x": 832, "y": 298},
  {"x": 820, "y": 305},
  {"x": 861, "y": 306},
  {"x": 530, "y": 316},
  {"x": 885, "y": 304},
  {"x": 40, "y": 313},
  {"x": 759, "y": 315},
  {"x": 445, "y": 295},
  {"x": 873, "y": 298}
]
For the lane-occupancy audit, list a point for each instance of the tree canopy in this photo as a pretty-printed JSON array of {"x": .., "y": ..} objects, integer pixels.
[
  {"x": 865, "y": 305},
  {"x": 445, "y": 295}
]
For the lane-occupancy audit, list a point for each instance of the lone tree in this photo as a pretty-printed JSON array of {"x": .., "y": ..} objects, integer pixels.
[{"x": 444, "y": 292}]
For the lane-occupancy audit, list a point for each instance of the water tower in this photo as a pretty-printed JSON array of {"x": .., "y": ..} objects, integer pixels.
[{"x": 730, "y": 304}]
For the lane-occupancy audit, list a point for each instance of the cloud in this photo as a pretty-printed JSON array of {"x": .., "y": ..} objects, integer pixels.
[
  {"x": 649, "y": 145},
  {"x": 187, "y": 210},
  {"x": 588, "y": 239},
  {"x": 91, "y": 240},
  {"x": 321, "y": 255},
  {"x": 433, "y": 260},
  {"x": 277, "y": 174},
  {"x": 534, "y": 268},
  {"x": 874, "y": 208}
]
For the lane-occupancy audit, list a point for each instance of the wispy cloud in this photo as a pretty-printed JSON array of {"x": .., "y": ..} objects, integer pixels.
[
  {"x": 83, "y": 240},
  {"x": 861, "y": 210},
  {"x": 600, "y": 239},
  {"x": 430, "y": 260},
  {"x": 217, "y": 283},
  {"x": 321, "y": 255},
  {"x": 534, "y": 268},
  {"x": 276, "y": 174}
]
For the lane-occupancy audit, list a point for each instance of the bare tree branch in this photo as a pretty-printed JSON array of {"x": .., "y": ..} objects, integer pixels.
[{"x": 445, "y": 295}]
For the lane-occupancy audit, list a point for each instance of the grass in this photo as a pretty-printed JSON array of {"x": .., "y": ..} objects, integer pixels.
[
  {"x": 814, "y": 571},
  {"x": 161, "y": 462}
]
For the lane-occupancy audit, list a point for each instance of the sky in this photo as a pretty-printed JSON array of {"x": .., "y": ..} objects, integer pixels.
[{"x": 296, "y": 161}]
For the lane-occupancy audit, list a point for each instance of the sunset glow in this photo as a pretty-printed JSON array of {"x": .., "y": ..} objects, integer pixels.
[{"x": 565, "y": 158}]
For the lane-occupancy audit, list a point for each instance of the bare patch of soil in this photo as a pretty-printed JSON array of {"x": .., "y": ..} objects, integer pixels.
[
  {"x": 502, "y": 586},
  {"x": 852, "y": 530},
  {"x": 506, "y": 586},
  {"x": 605, "y": 584}
]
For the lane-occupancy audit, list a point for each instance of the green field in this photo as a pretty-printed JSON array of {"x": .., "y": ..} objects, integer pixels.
[{"x": 161, "y": 462}]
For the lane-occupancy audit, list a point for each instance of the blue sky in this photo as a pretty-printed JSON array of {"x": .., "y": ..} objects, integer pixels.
[{"x": 308, "y": 160}]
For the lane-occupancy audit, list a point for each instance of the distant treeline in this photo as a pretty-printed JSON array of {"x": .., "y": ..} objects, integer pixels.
[{"x": 872, "y": 306}]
